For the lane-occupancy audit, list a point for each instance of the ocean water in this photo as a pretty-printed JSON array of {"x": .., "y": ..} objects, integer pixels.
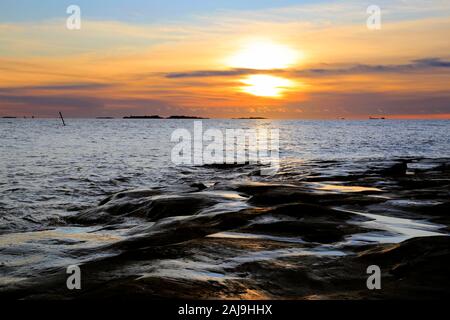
[
  {"x": 50, "y": 173},
  {"x": 47, "y": 169}
]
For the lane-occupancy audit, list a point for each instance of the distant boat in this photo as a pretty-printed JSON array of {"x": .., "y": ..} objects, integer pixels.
[
  {"x": 376, "y": 118},
  {"x": 104, "y": 118}
]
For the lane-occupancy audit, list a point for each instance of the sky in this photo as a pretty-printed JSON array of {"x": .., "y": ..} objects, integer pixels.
[{"x": 286, "y": 59}]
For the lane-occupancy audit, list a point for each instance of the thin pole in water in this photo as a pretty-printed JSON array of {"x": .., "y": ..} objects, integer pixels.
[{"x": 60, "y": 114}]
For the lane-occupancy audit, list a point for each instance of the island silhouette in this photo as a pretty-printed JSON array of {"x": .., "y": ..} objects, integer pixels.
[{"x": 159, "y": 117}]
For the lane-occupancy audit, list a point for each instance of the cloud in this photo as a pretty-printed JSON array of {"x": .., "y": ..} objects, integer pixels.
[
  {"x": 41, "y": 105},
  {"x": 52, "y": 101},
  {"x": 362, "y": 104},
  {"x": 423, "y": 64},
  {"x": 415, "y": 65},
  {"x": 217, "y": 73},
  {"x": 432, "y": 62},
  {"x": 57, "y": 87}
]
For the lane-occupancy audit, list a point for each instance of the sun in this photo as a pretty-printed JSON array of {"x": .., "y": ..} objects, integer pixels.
[
  {"x": 266, "y": 85},
  {"x": 263, "y": 55}
]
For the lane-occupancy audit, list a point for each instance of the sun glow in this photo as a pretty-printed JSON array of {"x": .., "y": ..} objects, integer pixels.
[
  {"x": 263, "y": 55},
  {"x": 265, "y": 85}
]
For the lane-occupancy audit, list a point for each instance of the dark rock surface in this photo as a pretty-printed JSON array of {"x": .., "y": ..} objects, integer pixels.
[{"x": 299, "y": 237}]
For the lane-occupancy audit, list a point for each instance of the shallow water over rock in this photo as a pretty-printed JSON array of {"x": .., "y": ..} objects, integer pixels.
[{"x": 217, "y": 237}]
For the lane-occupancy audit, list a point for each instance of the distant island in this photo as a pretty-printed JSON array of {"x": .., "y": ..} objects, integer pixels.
[
  {"x": 250, "y": 118},
  {"x": 104, "y": 118},
  {"x": 8, "y": 117},
  {"x": 143, "y": 117},
  {"x": 185, "y": 117},
  {"x": 159, "y": 117}
]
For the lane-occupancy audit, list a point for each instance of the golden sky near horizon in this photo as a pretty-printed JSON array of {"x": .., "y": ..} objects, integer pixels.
[{"x": 305, "y": 61}]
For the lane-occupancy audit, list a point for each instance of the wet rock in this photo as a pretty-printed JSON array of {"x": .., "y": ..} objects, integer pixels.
[
  {"x": 187, "y": 242},
  {"x": 269, "y": 195},
  {"x": 414, "y": 269},
  {"x": 398, "y": 169},
  {"x": 306, "y": 210},
  {"x": 184, "y": 205},
  {"x": 175, "y": 230},
  {"x": 108, "y": 213},
  {"x": 273, "y": 194},
  {"x": 313, "y": 223},
  {"x": 143, "y": 205},
  {"x": 419, "y": 266},
  {"x": 443, "y": 167},
  {"x": 442, "y": 209},
  {"x": 321, "y": 232},
  {"x": 415, "y": 250},
  {"x": 199, "y": 186},
  {"x": 132, "y": 194}
]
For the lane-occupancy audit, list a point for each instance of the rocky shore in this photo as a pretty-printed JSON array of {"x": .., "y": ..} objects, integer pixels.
[{"x": 302, "y": 235}]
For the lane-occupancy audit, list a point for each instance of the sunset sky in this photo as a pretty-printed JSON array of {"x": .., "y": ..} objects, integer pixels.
[{"x": 225, "y": 58}]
